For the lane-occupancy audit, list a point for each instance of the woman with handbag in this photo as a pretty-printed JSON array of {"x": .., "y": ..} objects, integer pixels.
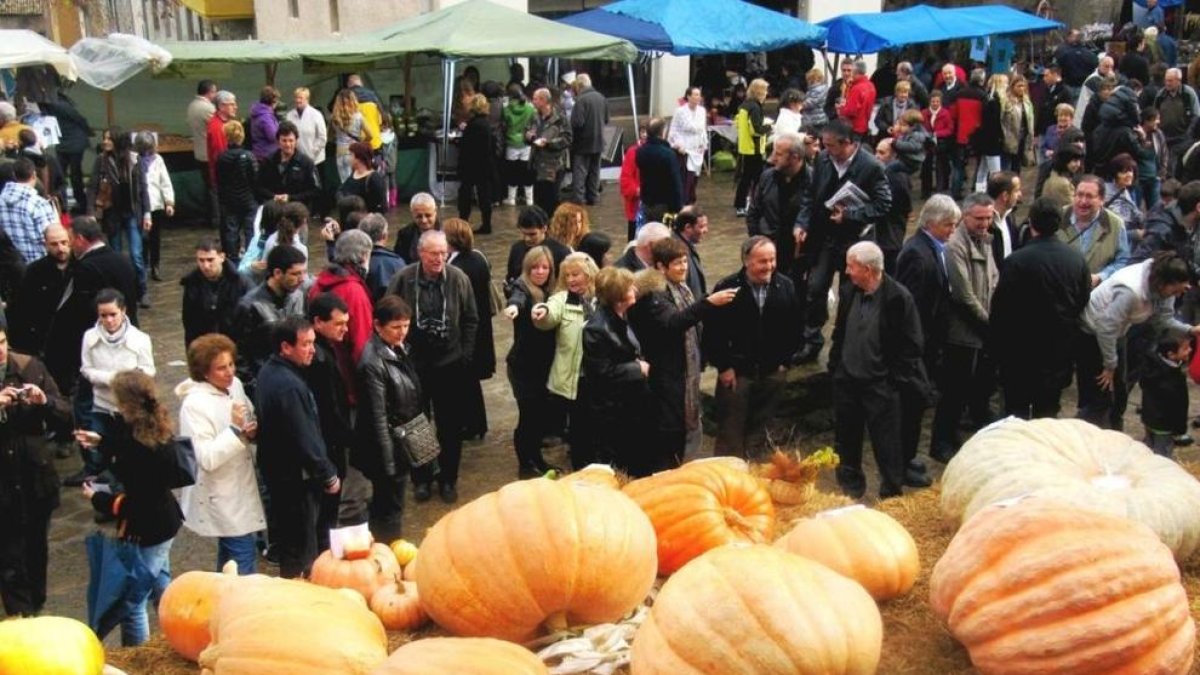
[
  {"x": 390, "y": 403},
  {"x": 121, "y": 200},
  {"x": 219, "y": 419},
  {"x": 139, "y": 446},
  {"x": 475, "y": 265}
]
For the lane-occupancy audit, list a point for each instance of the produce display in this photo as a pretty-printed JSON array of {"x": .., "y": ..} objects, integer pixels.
[
  {"x": 1039, "y": 586},
  {"x": 864, "y": 544},
  {"x": 700, "y": 506},
  {"x": 458, "y": 656},
  {"x": 758, "y": 610},
  {"x": 49, "y": 645},
  {"x": 1076, "y": 463},
  {"x": 534, "y": 555}
]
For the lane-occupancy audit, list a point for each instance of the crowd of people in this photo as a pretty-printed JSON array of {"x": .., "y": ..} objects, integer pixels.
[{"x": 317, "y": 400}]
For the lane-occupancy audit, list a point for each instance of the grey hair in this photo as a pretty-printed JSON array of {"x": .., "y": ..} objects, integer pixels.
[
  {"x": 583, "y": 80},
  {"x": 795, "y": 142},
  {"x": 422, "y": 198},
  {"x": 224, "y": 97},
  {"x": 8, "y": 112},
  {"x": 652, "y": 232},
  {"x": 977, "y": 199},
  {"x": 543, "y": 94},
  {"x": 939, "y": 209},
  {"x": 904, "y": 67},
  {"x": 428, "y": 237},
  {"x": 860, "y": 67},
  {"x": 144, "y": 142},
  {"x": 753, "y": 243},
  {"x": 374, "y": 226},
  {"x": 978, "y": 77},
  {"x": 1173, "y": 72},
  {"x": 352, "y": 248},
  {"x": 867, "y": 254}
]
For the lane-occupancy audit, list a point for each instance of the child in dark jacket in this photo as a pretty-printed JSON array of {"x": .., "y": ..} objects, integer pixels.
[
  {"x": 1165, "y": 393},
  {"x": 910, "y": 140}
]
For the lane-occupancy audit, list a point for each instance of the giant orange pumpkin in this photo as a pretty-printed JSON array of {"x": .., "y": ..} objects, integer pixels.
[
  {"x": 265, "y": 625},
  {"x": 187, "y": 606},
  {"x": 757, "y": 610},
  {"x": 536, "y": 552},
  {"x": 365, "y": 575},
  {"x": 1040, "y": 586},
  {"x": 457, "y": 656},
  {"x": 866, "y": 545},
  {"x": 700, "y": 506}
]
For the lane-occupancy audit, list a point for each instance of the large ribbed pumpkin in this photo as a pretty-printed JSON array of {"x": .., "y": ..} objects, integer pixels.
[
  {"x": 265, "y": 625},
  {"x": 49, "y": 645},
  {"x": 365, "y": 575},
  {"x": 460, "y": 656},
  {"x": 757, "y": 610},
  {"x": 1038, "y": 586},
  {"x": 700, "y": 506},
  {"x": 866, "y": 545},
  {"x": 187, "y": 606},
  {"x": 1076, "y": 463},
  {"x": 536, "y": 552}
]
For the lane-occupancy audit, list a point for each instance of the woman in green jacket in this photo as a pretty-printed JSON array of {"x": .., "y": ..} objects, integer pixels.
[
  {"x": 518, "y": 119},
  {"x": 566, "y": 312}
]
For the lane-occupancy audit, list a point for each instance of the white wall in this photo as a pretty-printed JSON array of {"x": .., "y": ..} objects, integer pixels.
[
  {"x": 815, "y": 11},
  {"x": 669, "y": 77}
]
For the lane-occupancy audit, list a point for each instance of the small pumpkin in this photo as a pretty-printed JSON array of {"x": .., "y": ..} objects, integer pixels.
[
  {"x": 186, "y": 608},
  {"x": 404, "y": 550},
  {"x": 49, "y": 645},
  {"x": 456, "y": 656},
  {"x": 757, "y": 610},
  {"x": 866, "y": 545},
  {"x": 700, "y": 506},
  {"x": 410, "y": 570},
  {"x": 536, "y": 554},
  {"x": 366, "y": 575},
  {"x": 268, "y": 625},
  {"x": 398, "y": 606},
  {"x": 1039, "y": 586}
]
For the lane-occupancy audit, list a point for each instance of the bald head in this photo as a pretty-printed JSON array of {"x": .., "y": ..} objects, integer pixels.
[{"x": 58, "y": 243}]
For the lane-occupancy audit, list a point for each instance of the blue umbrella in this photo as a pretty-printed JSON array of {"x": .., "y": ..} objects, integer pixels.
[{"x": 116, "y": 572}]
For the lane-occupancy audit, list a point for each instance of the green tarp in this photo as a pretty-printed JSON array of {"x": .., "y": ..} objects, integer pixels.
[{"x": 473, "y": 29}]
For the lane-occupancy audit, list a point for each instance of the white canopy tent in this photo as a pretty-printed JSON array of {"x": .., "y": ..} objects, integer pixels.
[{"x": 26, "y": 48}]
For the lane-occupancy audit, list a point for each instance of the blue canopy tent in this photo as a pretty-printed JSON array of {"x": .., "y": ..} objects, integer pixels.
[
  {"x": 874, "y": 32},
  {"x": 677, "y": 27}
]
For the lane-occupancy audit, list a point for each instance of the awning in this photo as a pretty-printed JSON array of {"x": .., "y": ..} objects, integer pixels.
[
  {"x": 221, "y": 9},
  {"x": 27, "y": 48},
  {"x": 876, "y": 31}
]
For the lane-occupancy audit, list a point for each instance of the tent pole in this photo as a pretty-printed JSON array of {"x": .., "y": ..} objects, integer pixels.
[
  {"x": 109, "y": 108},
  {"x": 448, "y": 85},
  {"x": 632, "y": 100}
]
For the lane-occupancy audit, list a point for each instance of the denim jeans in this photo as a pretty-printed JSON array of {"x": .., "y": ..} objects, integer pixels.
[
  {"x": 131, "y": 229},
  {"x": 135, "y": 624},
  {"x": 242, "y": 549}
]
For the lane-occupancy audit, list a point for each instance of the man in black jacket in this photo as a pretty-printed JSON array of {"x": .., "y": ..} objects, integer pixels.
[
  {"x": 1172, "y": 228},
  {"x": 291, "y": 451},
  {"x": 1045, "y": 284},
  {"x": 1004, "y": 187},
  {"x": 288, "y": 175},
  {"x": 751, "y": 342},
  {"x": 424, "y": 211},
  {"x": 922, "y": 269},
  {"x": 533, "y": 224},
  {"x": 889, "y": 233},
  {"x": 211, "y": 293},
  {"x": 1075, "y": 59},
  {"x": 776, "y": 201},
  {"x": 331, "y": 386},
  {"x": 875, "y": 359},
  {"x": 691, "y": 227},
  {"x": 658, "y": 170},
  {"x": 31, "y": 309},
  {"x": 824, "y": 230},
  {"x": 588, "y": 118},
  {"x": 273, "y": 300}
]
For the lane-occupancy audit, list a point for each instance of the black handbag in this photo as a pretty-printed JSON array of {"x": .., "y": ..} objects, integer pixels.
[
  {"x": 418, "y": 439},
  {"x": 182, "y": 463}
]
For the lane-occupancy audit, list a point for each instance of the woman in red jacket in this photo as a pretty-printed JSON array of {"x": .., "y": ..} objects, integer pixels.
[
  {"x": 631, "y": 183},
  {"x": 939, "y": 122}
]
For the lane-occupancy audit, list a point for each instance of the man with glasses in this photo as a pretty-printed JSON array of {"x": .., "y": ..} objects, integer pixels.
[{"x": 1096, "y": 232}]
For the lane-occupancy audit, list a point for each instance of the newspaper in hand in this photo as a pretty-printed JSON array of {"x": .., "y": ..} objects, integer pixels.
[{"x": 849, "y": 196}]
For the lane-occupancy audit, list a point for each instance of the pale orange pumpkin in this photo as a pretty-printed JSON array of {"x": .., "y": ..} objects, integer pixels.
[
  {"x": 187, "y": 606},
  {"x": 601, "y": 474},
  {"x": 1040, "y": 586},
  {"x": 757, "y": 610},
  {"x": 700, "y": 506},
  {"x": 365, "y": 575},
  {"x": 456, "y": 656},
  {"x": 265, "y": 625},
  {"x": 866, "y": 545},
  {"x": 398, "y": 606},
  {"x": 536, "y": 553},
  {"x": 410, "y": 570}
]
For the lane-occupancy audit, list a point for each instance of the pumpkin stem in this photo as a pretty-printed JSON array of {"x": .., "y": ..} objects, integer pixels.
[
  {"x": 743, "y": 527},
  {"x": 557, "y": 622}
]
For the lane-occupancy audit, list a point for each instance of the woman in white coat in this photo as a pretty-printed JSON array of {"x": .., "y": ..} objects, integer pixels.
[
  {"x": 162, "y": 198},
  {"x": 688, "y": 135},
  {"x": 219, "y": 418}
]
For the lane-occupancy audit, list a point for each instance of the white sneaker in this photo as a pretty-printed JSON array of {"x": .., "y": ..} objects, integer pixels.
[{"x": 509, "y": 201}]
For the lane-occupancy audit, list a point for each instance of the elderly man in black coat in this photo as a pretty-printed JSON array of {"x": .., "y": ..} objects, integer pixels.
[
  {"x": 291, "y": 451},
  {"x": 776, "y": 200},
  {"x": 824, "y": 229},
  {"x": 1044, "y": 284},
  {"x": 588, "y": 118},
  {"x": 921, "y": 269},
  {"x": 658, "y": 170},
  {"x": 874, "y": 360}
]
